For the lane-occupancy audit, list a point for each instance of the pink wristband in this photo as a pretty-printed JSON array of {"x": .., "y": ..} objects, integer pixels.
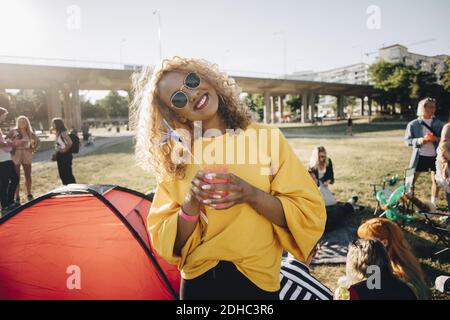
[{"x": 188, "y": 217}]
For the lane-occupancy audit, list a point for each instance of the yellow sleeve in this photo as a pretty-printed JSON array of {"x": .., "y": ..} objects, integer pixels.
[
  {"x": 162, "y": 225},
  {"x": 302, "y": 202}
]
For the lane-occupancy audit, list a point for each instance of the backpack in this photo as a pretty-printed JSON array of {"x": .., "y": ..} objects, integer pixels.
[{"x": 75, "y": 148}]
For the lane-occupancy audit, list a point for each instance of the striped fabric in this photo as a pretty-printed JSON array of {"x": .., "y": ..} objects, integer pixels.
[{"x": 298, "y": 284}]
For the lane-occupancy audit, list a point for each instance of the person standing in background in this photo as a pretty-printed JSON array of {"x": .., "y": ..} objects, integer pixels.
[
  {"x": 350, "y": 126},
  {"x": 443, "y": 162},
  {"x": 423, "y": 134},
  {"x": 26, "y": 144},
  {"x": 8, "y": 175},
  {"x": 85, "y": 131},
  {"x": 63, "y": 156}
]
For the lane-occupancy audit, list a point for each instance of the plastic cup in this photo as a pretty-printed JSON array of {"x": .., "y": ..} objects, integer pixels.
[
  {"x": 429, "y": 136},
  {"x": 215, "y": 169}
]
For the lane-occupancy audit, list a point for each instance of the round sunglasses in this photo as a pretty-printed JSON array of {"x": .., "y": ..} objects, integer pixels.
[{"x": 179, "y": 99}]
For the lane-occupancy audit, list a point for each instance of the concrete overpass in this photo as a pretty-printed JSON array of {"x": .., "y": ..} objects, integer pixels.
[{"x": 66, "y": 82}]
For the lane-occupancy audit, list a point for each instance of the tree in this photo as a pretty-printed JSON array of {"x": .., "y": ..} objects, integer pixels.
[
  {"x": 114, "y": 104},
  {"x": 446, "y": 76},
  {"x": 33, "y": 104},
  {"x": 405, "y": 85},
  {"x": 255, "y": 102},
  {"x": 294, "y": 102},
  {"x": 351, "y": 104},
  {"x": 90, "y": 110}
]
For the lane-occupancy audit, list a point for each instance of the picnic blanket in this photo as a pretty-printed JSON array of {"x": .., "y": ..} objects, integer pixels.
[{"x": 334, "y": 245}]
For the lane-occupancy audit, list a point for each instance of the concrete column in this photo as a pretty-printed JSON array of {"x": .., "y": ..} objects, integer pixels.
[
  {"x": 273, "y": 108},
  {"x": 362, "y": 106},
  {"x": 369, "y": 102},
  {"x": 340, "y": 106},
  {"x": 54, "y": 104},
  {"x": 281, "y": 107},
  {"x": 76, "y": 109},
  {"x": 311, "y": 106},
  {"x": 304, "y": 106},
  {"x": 67, "y": 105},
  {"x": 267, "y": 108}
]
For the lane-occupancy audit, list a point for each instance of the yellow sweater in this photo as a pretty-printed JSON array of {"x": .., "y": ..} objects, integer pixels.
[{"x": 240, "y": 234}]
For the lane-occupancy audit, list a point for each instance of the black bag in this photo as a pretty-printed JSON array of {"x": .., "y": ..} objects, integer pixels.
[{"x": 75, "y": 148}]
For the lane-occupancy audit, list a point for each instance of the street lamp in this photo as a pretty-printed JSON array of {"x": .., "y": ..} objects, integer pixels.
[
  {"x": 158, "y": 12},
  {"x": 281, "y": 33}
]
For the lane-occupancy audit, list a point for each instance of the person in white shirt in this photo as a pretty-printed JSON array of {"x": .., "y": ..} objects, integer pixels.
[
  {"x": 8, "y": 175},
  {"x": 423, "y": 134}
]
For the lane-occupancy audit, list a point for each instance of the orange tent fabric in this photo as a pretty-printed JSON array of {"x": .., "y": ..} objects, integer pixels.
[{"x": 83, "y": 242}]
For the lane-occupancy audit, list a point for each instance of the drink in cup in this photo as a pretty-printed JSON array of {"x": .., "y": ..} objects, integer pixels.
[
  {"x": 429, "y": 136},
  {"x": 215, "y": 169}
]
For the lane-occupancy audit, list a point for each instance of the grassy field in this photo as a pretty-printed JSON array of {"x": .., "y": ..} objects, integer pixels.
[
  {"x": 376, "y": 152},
  {"x": 339, "y": 129}
]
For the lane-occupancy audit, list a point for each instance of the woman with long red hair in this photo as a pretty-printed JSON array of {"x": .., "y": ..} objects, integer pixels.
[{"x": 404, "y": 264}]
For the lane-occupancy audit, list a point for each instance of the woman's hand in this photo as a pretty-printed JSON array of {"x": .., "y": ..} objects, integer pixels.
[
  {"x": 435, "y": 139},
  {"x": 223, "y": 195},
  {"x": 8, "y": 144},
  {"x": 224, "y": 190},
  {"x": 423, "y": 141}
]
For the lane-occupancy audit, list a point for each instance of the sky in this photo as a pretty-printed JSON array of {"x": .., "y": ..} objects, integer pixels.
[{"x": 239, "y": 35}]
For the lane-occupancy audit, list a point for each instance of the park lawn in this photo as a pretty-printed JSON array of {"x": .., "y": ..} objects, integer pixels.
[
  {"x": 358, "y": 162},
  {"x": 111, "y": 165},
  {"x": 339, "y": 129}
]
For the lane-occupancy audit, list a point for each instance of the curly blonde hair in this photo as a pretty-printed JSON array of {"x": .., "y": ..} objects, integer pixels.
[{"x": 148, "y": 110}]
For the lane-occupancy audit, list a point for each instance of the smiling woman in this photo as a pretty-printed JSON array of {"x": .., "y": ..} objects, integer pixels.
[{"x": 224, "y": 224}]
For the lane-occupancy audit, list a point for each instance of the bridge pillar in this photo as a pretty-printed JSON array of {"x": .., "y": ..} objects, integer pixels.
[
  {"x": 340, "y": 106},
  {"x": 54, "y": 104},
  {"x": 267, "y": 107},
  {"x": 67, "y": 108},
  {"x": 311, "y": 106},
  {"x": 76, "y": 109},
  {"x": 362, "y": 105},
  {"x": 304, "y": 106},
  {"x": 281, "y": 108},
  {"x": 72, "y": 107},
  {"x": 273, "y": 110}
]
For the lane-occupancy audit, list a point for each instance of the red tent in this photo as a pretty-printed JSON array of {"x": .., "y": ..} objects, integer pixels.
[{"x": 83, "y": 242}]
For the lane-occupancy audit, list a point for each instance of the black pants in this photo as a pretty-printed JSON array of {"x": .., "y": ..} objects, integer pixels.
[
  {"x": 223, "y": 282},
  {"x": 64, "y": 161},
  {"x": 337, "y": 214},
  {"x": 8, "y": 182}
]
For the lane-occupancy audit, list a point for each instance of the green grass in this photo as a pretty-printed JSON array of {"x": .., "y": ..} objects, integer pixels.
[
  {"x": 112, "y": 165},
  {"x": 358, "y": 162},
  {"x": 340, "y": 129}
]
